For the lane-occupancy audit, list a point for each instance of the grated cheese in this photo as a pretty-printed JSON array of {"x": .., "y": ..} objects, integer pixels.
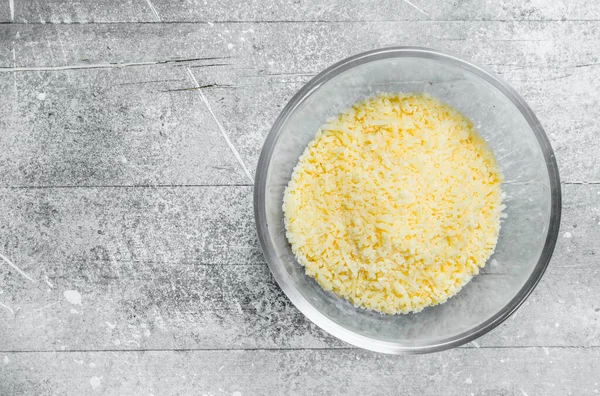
[{"x": 395, "y": 205}]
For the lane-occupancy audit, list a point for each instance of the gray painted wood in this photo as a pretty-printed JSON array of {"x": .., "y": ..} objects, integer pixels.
[
  {"x": 180, "y": 268},
  {"x": 258, "y": 68},
  {"x": 491, "y": 372},
  {"x": 111, "y": 127},
  {"x": 5, "y": 12},
  {"x": 118, "y": 185},
  {"x": 63, "y": 11}
]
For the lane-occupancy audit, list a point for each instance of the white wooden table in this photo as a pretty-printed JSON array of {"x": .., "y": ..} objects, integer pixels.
[{"x": 129, "y": 135}]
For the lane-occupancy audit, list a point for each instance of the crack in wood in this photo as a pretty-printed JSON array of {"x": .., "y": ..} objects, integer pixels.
[
  {"x": 110, "y": 65},
  {"x": 200, "y": 87}
]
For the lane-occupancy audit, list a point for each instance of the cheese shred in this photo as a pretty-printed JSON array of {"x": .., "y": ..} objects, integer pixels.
[{"x": 395, "y": 205}]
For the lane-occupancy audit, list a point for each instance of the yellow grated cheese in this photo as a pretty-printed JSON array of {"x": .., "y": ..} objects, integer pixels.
[{"x": 395, "y": 205}]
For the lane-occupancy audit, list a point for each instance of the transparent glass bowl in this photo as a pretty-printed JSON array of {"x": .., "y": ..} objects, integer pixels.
[{"x": 531, "y": 188}]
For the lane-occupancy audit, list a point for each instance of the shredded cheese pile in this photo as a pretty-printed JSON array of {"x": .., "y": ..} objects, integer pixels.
[{"x": 395, "y": 205}]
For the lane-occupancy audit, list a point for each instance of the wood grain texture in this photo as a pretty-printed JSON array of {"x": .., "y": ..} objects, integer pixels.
[
  {"x": 174, "y": 268},
  {"x": 5, "y": 12},
  {"x": 63, "y": 11},
  {"x": 258, "y": 67},
  {"x": 491, "y": 372},
  {"x": 111, "y": 127}
]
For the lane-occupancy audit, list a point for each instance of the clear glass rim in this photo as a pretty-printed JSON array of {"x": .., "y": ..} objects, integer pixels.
[{"x": 281, "y": 275}]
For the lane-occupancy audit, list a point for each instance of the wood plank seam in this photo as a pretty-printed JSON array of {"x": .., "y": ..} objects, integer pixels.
[
  {"x": 291, "y": 21},
  {"x": 324, "y": 349},
  {"x": 101, "y": 65}
]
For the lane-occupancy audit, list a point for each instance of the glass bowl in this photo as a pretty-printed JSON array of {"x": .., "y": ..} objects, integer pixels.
[{"x": 531, "y": 194}]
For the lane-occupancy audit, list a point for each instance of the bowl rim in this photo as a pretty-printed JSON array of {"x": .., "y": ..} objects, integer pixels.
[{"x": 281, "y": 275}]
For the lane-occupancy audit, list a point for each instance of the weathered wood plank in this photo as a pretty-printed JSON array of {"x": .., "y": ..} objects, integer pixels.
[
  {"x": 259, "y": 74},
  {"x": 308, "y": 46},
  {"x": 62, "y": 11},
  {"x": 6, "y": 12},
  {"x": 166, "y": 307},
  {"x": 500, "y": 372},
  {"x": 233, "y": 307},
  {"x": 181, "y": 268},
  {"x": 110, "y": 127},
  {"x": 64, "y": 227},
  {"x": 573, "y": 137},
  {"x": 57, "y": 11}
]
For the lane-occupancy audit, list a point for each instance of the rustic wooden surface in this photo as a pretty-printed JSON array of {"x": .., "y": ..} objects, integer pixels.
[{"x": 126, "y": 196}]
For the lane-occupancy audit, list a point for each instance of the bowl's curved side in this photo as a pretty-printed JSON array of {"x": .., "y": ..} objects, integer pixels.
[{"x": 283, "y": 278}]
